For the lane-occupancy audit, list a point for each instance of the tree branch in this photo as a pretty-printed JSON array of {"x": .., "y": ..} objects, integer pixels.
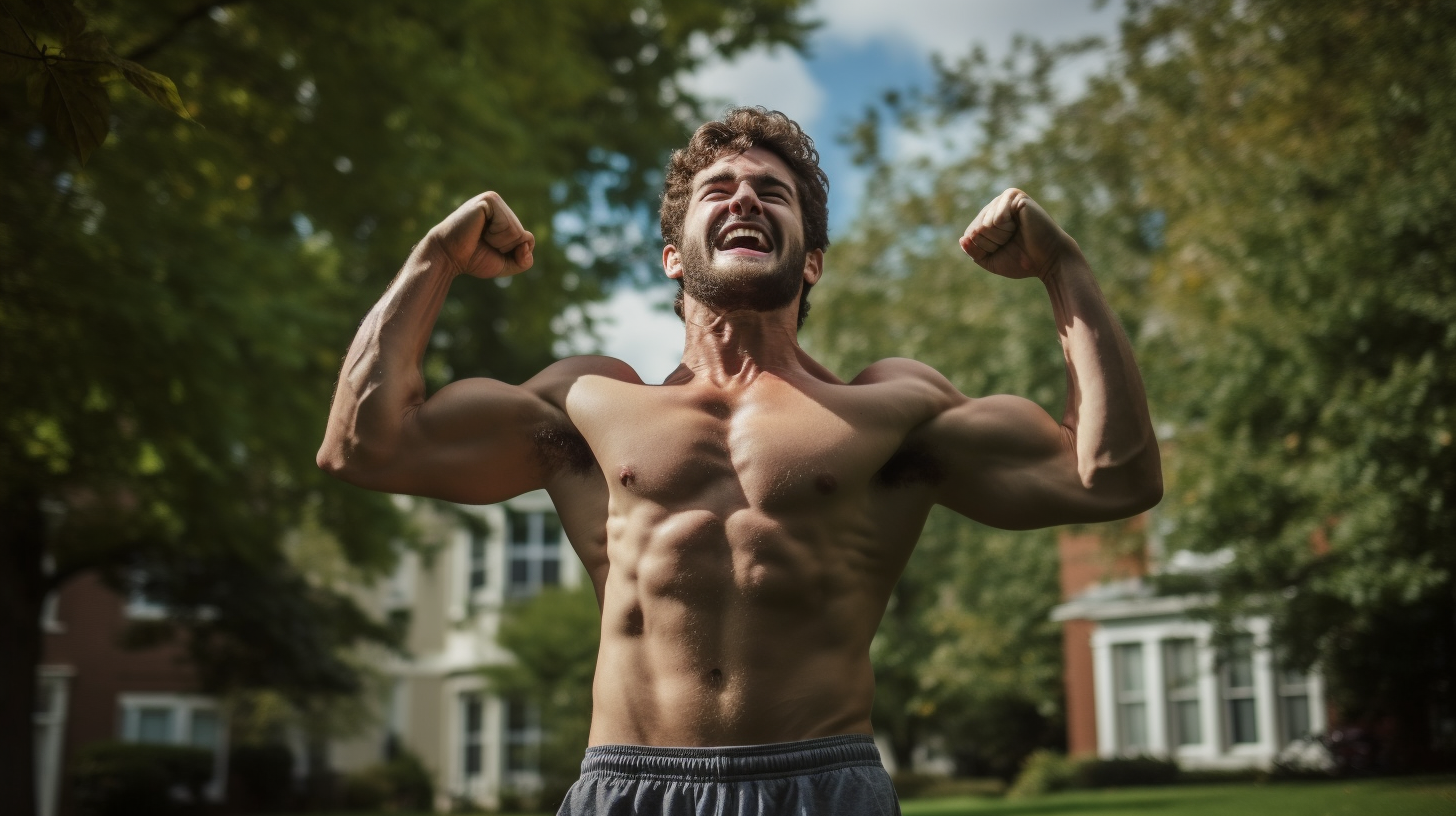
[{"x": 179, "y": 25}]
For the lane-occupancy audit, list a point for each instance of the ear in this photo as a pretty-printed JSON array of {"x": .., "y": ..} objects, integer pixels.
[
  {"x": 672, "y": 262},
  {"x": 813, "y": 266}
]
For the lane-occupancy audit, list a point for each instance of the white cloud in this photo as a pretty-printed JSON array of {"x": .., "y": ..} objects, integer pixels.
[{"x": 775, "y": 78}]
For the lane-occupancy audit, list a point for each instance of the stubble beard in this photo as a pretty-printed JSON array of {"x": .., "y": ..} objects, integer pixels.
[{"x": 739, "y": 284}]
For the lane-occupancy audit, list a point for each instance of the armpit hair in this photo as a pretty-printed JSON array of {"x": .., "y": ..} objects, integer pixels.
[
  {"x": 910, "y": 465},
  {"x": 561, "y": 447}
]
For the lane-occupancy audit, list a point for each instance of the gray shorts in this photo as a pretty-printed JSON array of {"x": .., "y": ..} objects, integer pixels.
[{"x": 842, "y": 776}]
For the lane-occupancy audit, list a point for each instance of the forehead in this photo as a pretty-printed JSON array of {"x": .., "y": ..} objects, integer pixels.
[{"x": 754, "y": 162}]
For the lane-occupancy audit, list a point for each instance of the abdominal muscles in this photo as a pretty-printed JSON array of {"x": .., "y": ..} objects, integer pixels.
[{"x": 729, "y": 629}]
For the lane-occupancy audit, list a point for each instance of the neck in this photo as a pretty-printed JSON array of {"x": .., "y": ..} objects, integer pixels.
[{"x": 739, "y": 344}]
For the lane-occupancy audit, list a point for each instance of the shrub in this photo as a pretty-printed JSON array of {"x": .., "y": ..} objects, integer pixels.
[
  {"x": 1125, "y": 772},
  {"x": 1043, "y": 772},
  {"x": 121, "y": 779},
  {"x": 260, "y": 777},
  {"x": 401, "y": 784}
]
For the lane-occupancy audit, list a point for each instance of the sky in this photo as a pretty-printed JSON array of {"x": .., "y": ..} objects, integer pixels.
[{"x": 862, "y": 49}]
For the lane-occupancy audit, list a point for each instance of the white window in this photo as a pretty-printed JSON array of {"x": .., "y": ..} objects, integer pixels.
[
  {"x": 1180, "y": 672},
  {"x": 472, "y": 731},
  {"x": 1240, "y": 713},
  {"x": 140, "y": 605},
  {"x": 1294, "y": 715},
  {"x": 173, "y": 719},
  {"x": 1131, "y": 698},
  {"x": 475, "y": 570},
  {"x": 522, "y": 738},
  {"x": 534, "y": 552}
]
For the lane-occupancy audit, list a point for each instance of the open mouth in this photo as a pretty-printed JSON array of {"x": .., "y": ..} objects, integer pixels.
[{"x": 743, "y": 239}]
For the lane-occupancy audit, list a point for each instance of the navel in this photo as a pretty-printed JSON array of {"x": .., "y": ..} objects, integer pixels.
[
  {"x": 715, "y": 678},
  {"x": 826, "y": 483}
]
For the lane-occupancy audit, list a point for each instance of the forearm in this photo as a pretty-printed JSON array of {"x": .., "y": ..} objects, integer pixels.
[
  {"x": 381, "y": 379},
  {"x": 1107, "y": 410}
]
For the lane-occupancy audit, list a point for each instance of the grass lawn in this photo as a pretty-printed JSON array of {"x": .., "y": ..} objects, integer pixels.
[{"x": 1414, "y": 796}]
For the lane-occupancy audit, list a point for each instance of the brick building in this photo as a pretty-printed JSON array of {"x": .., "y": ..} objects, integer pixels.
[
  {"x": 1143, "y": 678},
  {"x": 92, "y": 689}
]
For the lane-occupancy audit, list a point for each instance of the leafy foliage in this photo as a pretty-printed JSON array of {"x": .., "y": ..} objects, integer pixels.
[
  {"x": 173, "y": 312},
  {"x": 48, "y": 45},
  {"x": 554, "y": 638},
  {"x": 1266, "y": 190}
]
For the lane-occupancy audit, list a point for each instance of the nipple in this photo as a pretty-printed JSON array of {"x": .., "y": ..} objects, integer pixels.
[
  {"x": 626, "y": 476},
  {"x": 826, "y": 483}
]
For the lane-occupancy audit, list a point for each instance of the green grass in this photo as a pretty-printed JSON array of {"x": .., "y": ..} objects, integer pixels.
[{"x": 1414, "y": 796}]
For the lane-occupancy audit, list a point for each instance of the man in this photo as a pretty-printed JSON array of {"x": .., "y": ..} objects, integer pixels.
[{"x": 744, "y": 522}]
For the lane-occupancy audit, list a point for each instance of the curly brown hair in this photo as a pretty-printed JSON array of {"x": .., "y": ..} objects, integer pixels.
[{"x": 739, "y": 130}]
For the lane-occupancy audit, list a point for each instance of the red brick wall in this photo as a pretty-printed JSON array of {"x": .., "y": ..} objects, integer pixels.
[
  {"x": 1081, "y": 699},
  {"x": 1083, "y": 564},
  {"x": 93, "y": 618}
]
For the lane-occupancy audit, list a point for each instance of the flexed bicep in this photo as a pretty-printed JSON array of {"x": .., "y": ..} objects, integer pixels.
[{"x": 1009, "y": 464}]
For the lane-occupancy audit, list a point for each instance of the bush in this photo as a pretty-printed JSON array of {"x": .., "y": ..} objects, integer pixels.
[
  {"x": 260, "y": 777},
  {"x": 1125, "y": 772},
  {"x": 121, "y": 779},
  {"x": 401, "y": 784},
  {"x": 1044, "y": 772}
]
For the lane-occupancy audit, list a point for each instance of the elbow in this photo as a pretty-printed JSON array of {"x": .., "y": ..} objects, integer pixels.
[{"x": 1128, "y": 489}]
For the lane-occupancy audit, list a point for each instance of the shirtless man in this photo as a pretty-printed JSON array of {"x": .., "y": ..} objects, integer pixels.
[{"x": 744, "y": 522}]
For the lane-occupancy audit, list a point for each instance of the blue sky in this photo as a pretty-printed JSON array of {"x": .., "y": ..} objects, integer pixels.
[{"x": 862, "y": 49}]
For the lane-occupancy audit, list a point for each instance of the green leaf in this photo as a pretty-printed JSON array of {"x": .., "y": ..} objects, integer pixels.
[
  {"x": 157, "y": 87},
  {"x": 74, "y": 106},
  {"x": 15, "y": 42}
]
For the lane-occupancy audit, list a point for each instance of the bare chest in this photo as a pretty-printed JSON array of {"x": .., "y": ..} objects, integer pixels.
[{"x": 773, "y": 448}]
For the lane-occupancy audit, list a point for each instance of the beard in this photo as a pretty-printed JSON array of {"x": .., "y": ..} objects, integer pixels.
[{"x": 743, "y": 284}]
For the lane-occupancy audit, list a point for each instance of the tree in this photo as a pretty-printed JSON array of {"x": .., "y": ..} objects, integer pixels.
[
  {"x": 172, "y": 314},
  {"x": 1266, "y": 189},
  {"x": 554, "y": 638}
]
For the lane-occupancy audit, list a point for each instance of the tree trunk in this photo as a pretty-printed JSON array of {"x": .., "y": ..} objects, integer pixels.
[{"x": 22, "y": 591}]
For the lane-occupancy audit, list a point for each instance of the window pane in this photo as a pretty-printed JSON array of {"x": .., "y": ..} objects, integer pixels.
[
  {"x": 520, "y": 572},
  {"x": 473, "y": 761},
  {"x": 1187, "y": 726},
  {"x": 550, "y": 529},
  {"x": 204, "y": 729},
  {"x": 473, "y": 716},
  {"x": 1180, "y": 663},
  {"x": 477, "y": 561},
  {"x": 550, "y": 572},
  {"x": 154, "y": 725},
  {"x": 1128, "y": 665},
  {"x": 1243, "y": 722},
  {"x": 1132, "y": 726},
  {"x": 1241, "y": 663},
  {"x": 1296, "y": 716},
  {"x": 520, "y": 528}
]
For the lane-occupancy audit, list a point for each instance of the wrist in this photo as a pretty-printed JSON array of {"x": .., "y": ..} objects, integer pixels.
[
  {"x": 1069, "y": 262},
  {"x": 432, "y": 254}
]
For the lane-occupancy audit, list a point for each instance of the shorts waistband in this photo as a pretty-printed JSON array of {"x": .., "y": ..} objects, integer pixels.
[{"x": 733, "y": 763}]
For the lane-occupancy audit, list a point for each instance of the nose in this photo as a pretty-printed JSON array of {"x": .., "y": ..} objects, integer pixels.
[{"x": 745, "y": 200}]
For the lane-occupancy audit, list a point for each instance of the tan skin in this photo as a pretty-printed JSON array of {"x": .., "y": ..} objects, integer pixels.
[{"x": 744, "y": 522}]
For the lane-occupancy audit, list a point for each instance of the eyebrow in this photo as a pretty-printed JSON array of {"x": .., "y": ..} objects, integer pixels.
[{"x": 759, "y": 180}]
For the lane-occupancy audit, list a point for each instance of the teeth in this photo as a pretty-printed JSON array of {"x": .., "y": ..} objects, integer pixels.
[{"x": 745, "y": 233}]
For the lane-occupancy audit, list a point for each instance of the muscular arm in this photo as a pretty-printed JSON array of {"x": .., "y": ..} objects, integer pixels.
[
  {"x": 474, "y": 440},
  {"x": 1011, "y": 465}
]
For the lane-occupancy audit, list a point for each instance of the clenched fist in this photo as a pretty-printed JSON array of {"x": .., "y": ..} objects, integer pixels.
[
  {"x": 1015, "y": 238},
  {"x": 484, "y": 238}
]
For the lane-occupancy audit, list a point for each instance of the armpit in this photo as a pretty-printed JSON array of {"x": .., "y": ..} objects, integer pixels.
[
  {"x": 910, "y": 465},
  {"x": 561, "y": 447}
]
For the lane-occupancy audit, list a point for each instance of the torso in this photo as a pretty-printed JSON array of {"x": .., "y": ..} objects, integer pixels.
[{"x": 745, "y": 549}]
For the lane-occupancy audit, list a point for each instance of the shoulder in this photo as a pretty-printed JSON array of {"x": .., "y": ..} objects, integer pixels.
[
  {"x": 909, "y": 374},
  {"x": 557, "y": 380}
]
